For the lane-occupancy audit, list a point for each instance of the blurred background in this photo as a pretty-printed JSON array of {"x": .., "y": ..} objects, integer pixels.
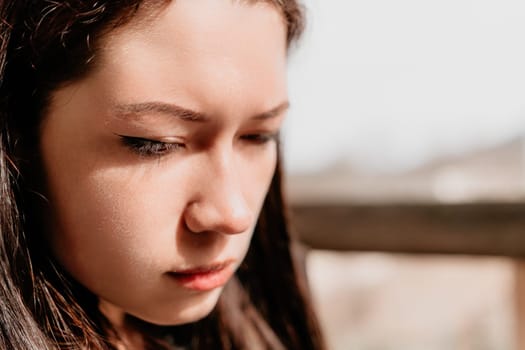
[{"x": 405, "y": 155}]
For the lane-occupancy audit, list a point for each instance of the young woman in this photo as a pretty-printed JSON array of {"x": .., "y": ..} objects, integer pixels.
[{"x": 140, "y": 189}]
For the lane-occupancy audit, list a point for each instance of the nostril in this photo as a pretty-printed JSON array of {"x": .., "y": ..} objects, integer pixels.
[
  {"x": 237, "y": 216},
  {"x": 238, "y": 223},
  {"x": 206, "y": 217},
  {"x": 231, "y": 221}
]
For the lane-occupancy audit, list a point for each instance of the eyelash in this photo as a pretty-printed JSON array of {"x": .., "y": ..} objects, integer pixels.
[
  {"x": 147, "y": 147},
  {"x": 261, "y": 139}
]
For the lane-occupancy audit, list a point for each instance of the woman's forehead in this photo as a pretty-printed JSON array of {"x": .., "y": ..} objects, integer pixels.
[
  {"x": 226, "y": 59},
  {"x": 187, "y": 31}
]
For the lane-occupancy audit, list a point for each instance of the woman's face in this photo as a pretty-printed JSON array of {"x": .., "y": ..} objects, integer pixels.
[{"x": 158, "y": 162}]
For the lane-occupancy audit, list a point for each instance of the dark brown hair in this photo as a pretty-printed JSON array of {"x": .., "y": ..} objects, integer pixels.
[{"x": 44, "y": 45}]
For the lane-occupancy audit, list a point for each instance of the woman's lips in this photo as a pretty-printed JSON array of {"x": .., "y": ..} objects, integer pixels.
[{"x": 204, "y": 278}]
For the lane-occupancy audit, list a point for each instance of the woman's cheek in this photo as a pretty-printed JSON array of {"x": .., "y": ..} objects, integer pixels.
[
  {"x": 113, "y": 219},
  {"x": 257, "y": 172}
]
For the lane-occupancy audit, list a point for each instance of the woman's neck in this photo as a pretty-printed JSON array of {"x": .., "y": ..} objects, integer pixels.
[{"x": 126, "y": 337}]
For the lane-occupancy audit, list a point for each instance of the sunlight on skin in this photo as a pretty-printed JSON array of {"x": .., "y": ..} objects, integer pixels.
[{"x": 140, "y": 195}]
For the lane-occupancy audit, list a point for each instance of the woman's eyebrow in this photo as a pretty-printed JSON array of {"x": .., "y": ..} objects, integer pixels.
[
  {"x": 137, "y": 109},
  {"x": 274, "y": 112}
]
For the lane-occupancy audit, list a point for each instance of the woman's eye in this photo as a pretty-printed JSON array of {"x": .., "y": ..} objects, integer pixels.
[
  {"x": 261, "y": 138},
  {"x": 147, "y": 147}
]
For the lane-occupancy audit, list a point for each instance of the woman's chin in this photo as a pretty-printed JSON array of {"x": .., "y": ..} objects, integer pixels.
[{"x": 185, "y": 312}]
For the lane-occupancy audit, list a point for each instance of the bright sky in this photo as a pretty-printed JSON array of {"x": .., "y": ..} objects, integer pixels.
[{"x": 387, "y": 85}]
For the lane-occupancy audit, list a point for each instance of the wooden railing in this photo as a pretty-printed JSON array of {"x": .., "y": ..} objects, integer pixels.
[
  {"x": 484, "y": 228},
  {"x": 494, "y": 229}
]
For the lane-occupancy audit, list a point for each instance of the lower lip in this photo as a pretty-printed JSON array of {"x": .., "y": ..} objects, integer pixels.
[{"x": 203, "y": 281}]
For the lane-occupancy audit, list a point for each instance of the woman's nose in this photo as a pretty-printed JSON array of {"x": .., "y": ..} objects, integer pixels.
[{"x": 220, "y": 205}]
